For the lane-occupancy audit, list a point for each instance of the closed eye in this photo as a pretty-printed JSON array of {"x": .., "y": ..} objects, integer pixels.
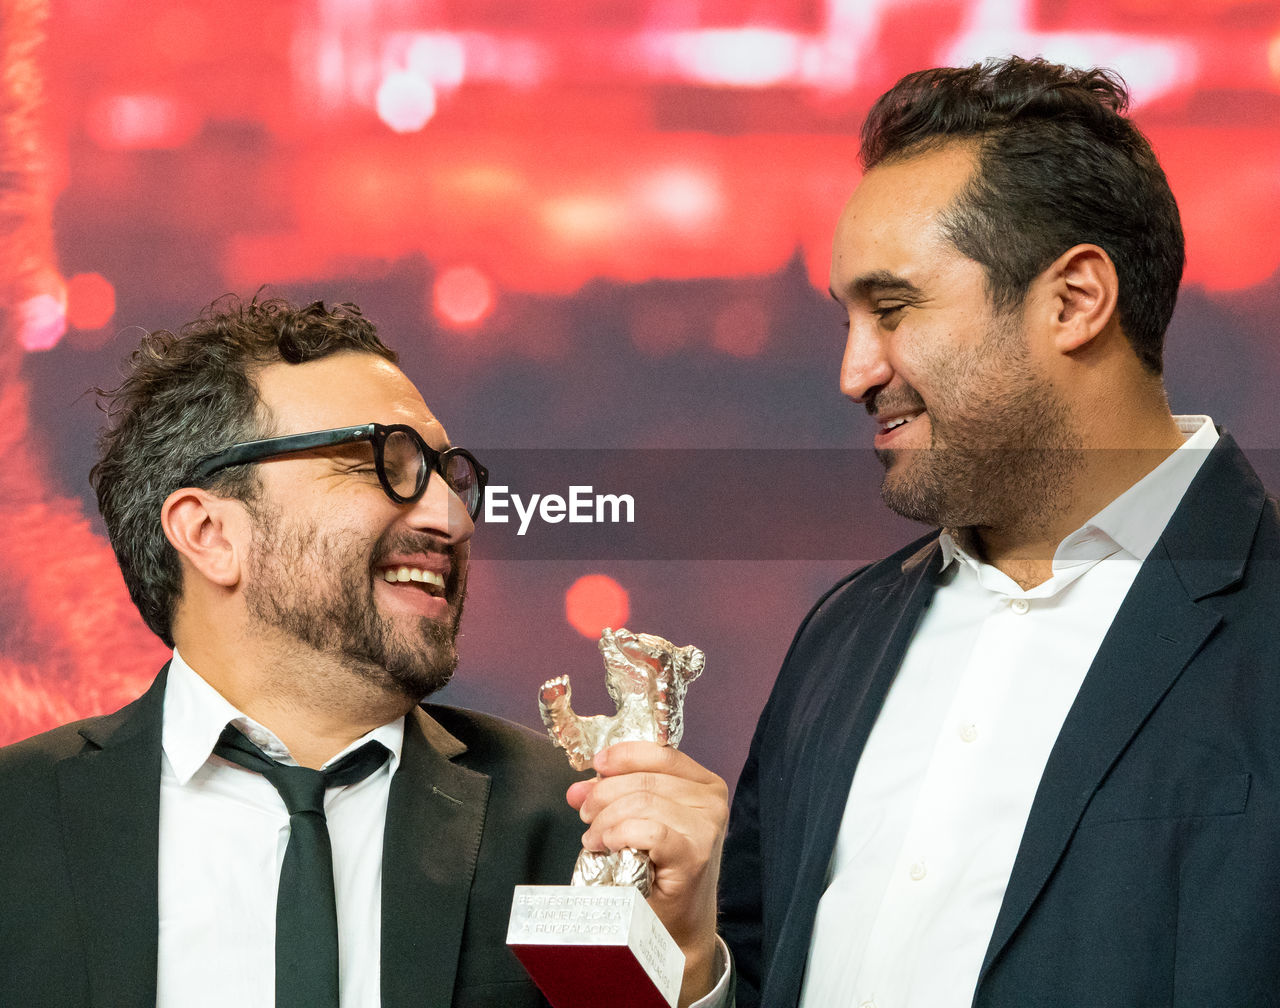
[
  {"x": 354, "y": 463},
  {"x": 358, "y": 470},
  {"x": 889, "y": 315}
]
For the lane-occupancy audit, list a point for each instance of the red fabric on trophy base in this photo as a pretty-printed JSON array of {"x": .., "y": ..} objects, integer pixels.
[{"x": 590, "y": 976}]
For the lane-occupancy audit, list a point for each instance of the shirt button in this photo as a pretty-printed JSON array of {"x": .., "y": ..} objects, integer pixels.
[
  {"x": 968, "y": 731},
  {"x": 1020, "y": 606},
  {"x": 918, "y": 871},
  {"x": 867, "y": 1004}
]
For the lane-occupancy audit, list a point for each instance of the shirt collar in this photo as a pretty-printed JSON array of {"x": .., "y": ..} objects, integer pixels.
[
  {"x": 1134, "y": 520},
  {"x": 195, "y": 714}
]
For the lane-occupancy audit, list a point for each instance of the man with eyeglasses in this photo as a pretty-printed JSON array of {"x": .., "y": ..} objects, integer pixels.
[{"x": 280, "y": 819}]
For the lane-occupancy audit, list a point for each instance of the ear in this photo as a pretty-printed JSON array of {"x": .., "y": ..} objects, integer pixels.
[
  {"x": 209, "y": 533},
  {"x": 1083, "y": 291}
]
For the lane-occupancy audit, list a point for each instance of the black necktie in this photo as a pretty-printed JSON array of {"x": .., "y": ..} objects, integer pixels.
[{"x": 306, "y": 909}]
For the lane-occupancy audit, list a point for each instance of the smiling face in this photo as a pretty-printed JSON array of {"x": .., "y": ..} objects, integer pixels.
[
  {"x": 968, "y": 427},
  {"x": 335, "y": 565}
]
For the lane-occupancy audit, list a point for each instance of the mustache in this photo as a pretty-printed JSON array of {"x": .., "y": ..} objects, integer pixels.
[
  {"x": 412, "y": 542},
  {"x": 903, "y": 400}
]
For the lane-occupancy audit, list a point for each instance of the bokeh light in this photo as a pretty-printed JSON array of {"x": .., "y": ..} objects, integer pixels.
[
  {"x": 463, "y": 296},
  {"x": 406, "y": 102},
  {"x": 741, "y": 57},
  {"x": 91, "y": 301},
  {"x": 141, "y": 122},
  {"x": 439, "y": 58},
  {"x": 596, "y": 601},
  {"x": 686, "y": 199},
  {"x": 42, "y": 322}
]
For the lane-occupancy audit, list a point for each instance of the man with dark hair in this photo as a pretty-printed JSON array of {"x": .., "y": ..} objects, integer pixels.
[
  {"x": 1031, "y": 758},
  {"x": 280, "y": 819}
]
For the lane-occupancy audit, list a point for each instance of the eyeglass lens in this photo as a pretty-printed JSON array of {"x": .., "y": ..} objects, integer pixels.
[
  {"x": 402, "y": 462},
  {"x": 404, "y": 465},
  {"x": 462, "y": 479}
]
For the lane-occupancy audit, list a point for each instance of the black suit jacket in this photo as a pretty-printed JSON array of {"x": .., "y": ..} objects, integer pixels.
[
  {"x": 1149, "y": 870},
  {"x": 477, "y": 807}
]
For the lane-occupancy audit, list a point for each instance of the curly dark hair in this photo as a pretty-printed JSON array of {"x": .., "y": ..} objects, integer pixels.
[
  {"x": 186, "y": 395},
  {"x": 1059, "y": 163}
]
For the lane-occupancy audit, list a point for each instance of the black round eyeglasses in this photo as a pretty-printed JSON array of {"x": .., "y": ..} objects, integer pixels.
[{"x": 404, "y": 462}]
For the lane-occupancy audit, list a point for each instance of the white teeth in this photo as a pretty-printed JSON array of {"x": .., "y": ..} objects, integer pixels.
[
  {"x": 395, "y": 575},
  {"x": 899, "y": 421}
]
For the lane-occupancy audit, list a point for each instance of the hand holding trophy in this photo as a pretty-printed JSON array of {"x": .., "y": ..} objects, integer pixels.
[{"x": 597, "y": 942}]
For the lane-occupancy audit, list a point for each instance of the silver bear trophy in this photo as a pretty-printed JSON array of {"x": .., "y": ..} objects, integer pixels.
[{"x": 646, "y": 677}]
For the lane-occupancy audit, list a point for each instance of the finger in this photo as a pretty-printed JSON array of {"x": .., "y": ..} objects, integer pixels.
[
  {"x": 580, "y": 791},
  {"x": 642, "y": 757},
  {"x": 639, "y": 805},
  {"x": 664, "y": 845},
  {"x": 692, "y": 780},
  {"x": 678, "y": 858},
  {"x": 619, "y": 823},
  {"x": 683, "y": 865},
  {"x": 713, "y": 794}
]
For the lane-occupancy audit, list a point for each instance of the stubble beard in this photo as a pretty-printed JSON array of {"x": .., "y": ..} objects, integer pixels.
[
  {"x": 318, "y": 589},
  {"x": 1003, "y": 452}
]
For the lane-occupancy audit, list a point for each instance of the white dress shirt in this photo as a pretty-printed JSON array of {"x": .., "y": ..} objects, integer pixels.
[
  {"x": 223, "y": 833},
  {"x": 942, "y": 792}
]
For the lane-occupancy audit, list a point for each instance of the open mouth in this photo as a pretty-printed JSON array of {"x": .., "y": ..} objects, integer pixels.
[
  {"x": 893, "y": 423},
  {"x": 428, "y": 580}
]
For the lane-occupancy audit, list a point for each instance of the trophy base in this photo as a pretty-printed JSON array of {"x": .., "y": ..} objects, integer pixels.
[{"x": 588, "y": 946}]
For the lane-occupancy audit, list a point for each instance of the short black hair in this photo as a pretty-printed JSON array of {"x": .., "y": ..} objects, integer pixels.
[
  {"x": 187, "y": 395},
  {"x": 1058, "y": 164}
]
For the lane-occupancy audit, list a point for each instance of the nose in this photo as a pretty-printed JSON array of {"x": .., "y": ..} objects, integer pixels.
[
  {"x": 440, "y": 511},
  {"x": 865, "y": 368}
]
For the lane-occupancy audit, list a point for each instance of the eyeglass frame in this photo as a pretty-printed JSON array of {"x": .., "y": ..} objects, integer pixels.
[{"x": 246, "y": 452}]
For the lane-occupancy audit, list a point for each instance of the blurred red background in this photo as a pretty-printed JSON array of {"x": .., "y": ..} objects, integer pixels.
[{"x": 584, "y": 225}]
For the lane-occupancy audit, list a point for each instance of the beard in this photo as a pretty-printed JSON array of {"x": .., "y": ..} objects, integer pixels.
[
  {"x": 1002, "y": 451},
  {"x": 318, "y": 588}
]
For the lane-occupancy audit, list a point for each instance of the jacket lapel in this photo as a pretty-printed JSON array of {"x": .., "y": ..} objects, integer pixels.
[
  {"x": 434, "y": 821},
  {"x": 852, "y": 712},
  {"x": 874, "y": 652},
  {"x": 1158, "y": 630},
  {"x": 109, "y": 796}
]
